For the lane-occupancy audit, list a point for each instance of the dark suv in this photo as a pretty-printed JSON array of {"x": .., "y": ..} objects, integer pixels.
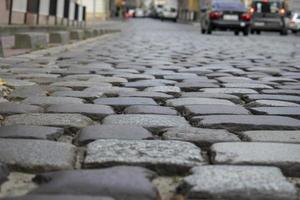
[
  {"x": 269, "y": 15},
  {"x": 225, "y": 15}
]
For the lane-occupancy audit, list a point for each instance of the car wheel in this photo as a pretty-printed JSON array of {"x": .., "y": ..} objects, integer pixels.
[
  {"x": 252, "y": 31},
  {"x": 257, "y": 32},
  {"x": 236, "y": 33},
  {"x": 294, "y": 31}
]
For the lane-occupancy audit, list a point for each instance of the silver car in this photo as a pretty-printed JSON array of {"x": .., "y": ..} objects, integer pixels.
[{"x": 294, "y": 23}]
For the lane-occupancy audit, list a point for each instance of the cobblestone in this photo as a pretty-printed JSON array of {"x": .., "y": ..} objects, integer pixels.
[
  {"x": 272, "y": 136},
  {"x": 284, "y": 156},
  {"x": 238, "y": 182},
  {"x": 158, "y": 95},
  {"x": 36, "y": 155},
  {"x": 163, "y": 156},
  {"x": 124, "y": 132},
  {"x": 30, "y": 132},
  {"x": 61, "y": 120},
  {"x": 118, "y": 182}
]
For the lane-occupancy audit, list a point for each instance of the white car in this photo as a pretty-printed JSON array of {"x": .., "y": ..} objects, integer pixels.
[
  {"x": 294, "y": 23},
  {"x": 169, "y": 13},
  {"x": 139, "y": 12}
]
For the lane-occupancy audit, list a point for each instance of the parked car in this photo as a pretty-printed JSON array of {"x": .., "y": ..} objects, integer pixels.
[
  {"x": 294, "y": 22},
  {"x": 139, "y": 12},
  {"x": 170, "y": 10},
  {"x": 269, "y": 15},
  {"x": 225, "y": 15}
]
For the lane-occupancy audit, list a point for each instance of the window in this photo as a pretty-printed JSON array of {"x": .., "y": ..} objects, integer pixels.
[
  {"x": 53, "y": 6},
  {"x": 33, "y": 6},
  {"x": 267, "y": 7},
  {"x": 66, "y": 9}
]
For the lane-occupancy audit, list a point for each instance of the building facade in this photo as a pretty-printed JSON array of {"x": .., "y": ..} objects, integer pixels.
[
  {"x": 97, "y": 9},
  {"x": 42, "y": 12},
  {"x": 188, "y": 10}
]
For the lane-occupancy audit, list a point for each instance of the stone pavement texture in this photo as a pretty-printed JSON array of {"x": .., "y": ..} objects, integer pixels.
[{"x": 154, "y": 112}]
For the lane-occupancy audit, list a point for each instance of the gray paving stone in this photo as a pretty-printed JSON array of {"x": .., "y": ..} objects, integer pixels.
[
  {"x": 284, "y": 156},
  {"x": 81, "y": 84},
  {"x": 160, "y": 110},
  {"x": 290, "y": 98},
  {"x": 281, "y": 91},
  {"x": 238, "y": 182},
  {"x": 285, "y": 111},
  {"x": 154, "y": 95},
  {"x": 237, "y": 91},
  {"x": 30, "y": 132},
  {"x": 15, "y": 83},
  {"x": 125, "y": 101},
  {"x": 199, "y": 136},
  {"x": 36, "y": 155},
  {"x": 234, "y": 79},
  {"x": 247, "y": 85},
  {"x": 181, "y": 76},
  {"x": 113, "y": 79},
  {"x": 110, "y": 91},
  {"x": 195, "y": 86},
  {"x": 44, "y": 101},
  {"x": 163, "y": 156},
  {"x": 246, "y": 122},
  {"x": 232, "y": 98},
  {"x": 136, "y": 77},
  {"x": 45, "y": 119},
  {"x": 91, "y": 110},
  {"x": 272, "y": 136},
  {"x": 37, "y": 76},
  {"x": 122, "y": 132},
  {"x": 15, "y": 108},
  {"x": 179, "y": 102},
  {"x": 143, "y": 84},
  {"x": 58, "y": 197},
  {"x": 277, "y": 79},
  {"x": 272, "y": 103},
  {"x": 147, "y": 121},
  {"x": 208, "y": 109},
  {"x": 132, "y": 183},
  {"x": 164, "y": 89},
  {"x": 90, "y": 95},
  {"x": 3, "y": 173}
]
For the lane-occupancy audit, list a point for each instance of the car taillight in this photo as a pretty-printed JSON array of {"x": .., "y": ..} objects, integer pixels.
[
  {"x": 282, "y": 11},
  {"x": 246, "y": 17},
  {"x": 215, "y": 15}
]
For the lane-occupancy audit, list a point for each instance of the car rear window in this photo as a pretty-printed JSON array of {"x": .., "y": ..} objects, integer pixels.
[
  {"x": 267, "y": 7},
  {"x": 230, "y": 5}
]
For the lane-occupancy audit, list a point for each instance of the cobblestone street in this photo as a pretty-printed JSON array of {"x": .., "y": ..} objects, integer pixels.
[{"x": 157, "y": 111}]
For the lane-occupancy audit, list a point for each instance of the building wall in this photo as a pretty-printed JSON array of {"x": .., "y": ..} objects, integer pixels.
[
  {"x": 40, "y": 15},
  {"x": 295, "y": 5},
  {"x": 102, "y": 9},
  {"x": 188, "y": 10}
]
